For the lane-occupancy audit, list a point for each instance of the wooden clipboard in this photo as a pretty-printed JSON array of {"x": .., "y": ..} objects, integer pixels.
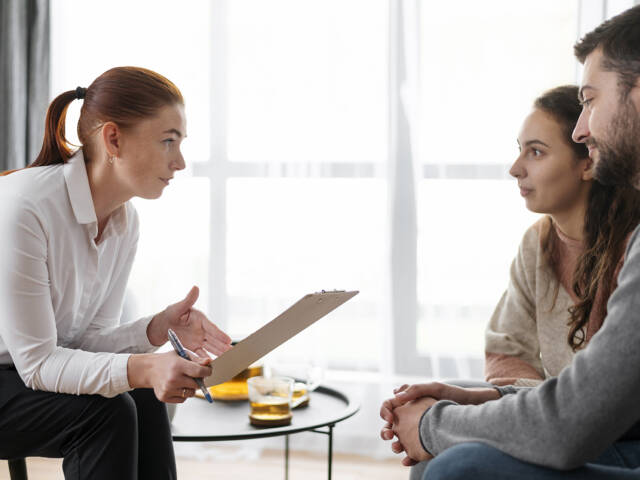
[{"x": 292, "y": 321}]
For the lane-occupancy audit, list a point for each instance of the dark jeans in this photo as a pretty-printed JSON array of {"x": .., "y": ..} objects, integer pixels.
[
  {"x": 621, "y": 461},
  {"x": 124, "y": 437}
]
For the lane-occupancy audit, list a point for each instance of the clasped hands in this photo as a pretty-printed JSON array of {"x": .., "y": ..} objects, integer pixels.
[{"x": 403, "y": 412}]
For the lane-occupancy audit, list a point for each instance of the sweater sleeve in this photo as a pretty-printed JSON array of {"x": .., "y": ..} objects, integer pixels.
[
  {"x": 512, "y": 350},
  {"x": 570, "y": 419}
]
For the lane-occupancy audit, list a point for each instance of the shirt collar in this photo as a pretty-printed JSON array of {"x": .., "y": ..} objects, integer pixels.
[
  {"x": 75, "y": 175},
  {"x": 77, "y": 180}
]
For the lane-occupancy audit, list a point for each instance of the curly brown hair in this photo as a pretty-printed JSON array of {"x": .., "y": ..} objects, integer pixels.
[{"x": 611, "y": 215}]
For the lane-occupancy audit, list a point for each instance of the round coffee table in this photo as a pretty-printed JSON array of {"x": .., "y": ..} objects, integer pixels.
[{"x": 200, "y": 421}]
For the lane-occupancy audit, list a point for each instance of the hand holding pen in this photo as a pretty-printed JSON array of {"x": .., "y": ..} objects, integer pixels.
[
  {"x": 177, "y": 346},
  {"x": 197, "y": 333}
]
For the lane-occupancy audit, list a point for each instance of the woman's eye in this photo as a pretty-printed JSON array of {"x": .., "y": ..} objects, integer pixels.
[
  {"x": 168, "y": 140},
  {"x": 536, "y": 152},
  {"x": 586, "y": 102}
]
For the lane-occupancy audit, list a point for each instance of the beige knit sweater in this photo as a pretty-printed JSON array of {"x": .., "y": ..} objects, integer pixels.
[{"x": 526, "y": 339}]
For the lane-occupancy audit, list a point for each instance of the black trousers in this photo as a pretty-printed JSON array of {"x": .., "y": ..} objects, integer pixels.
[{"x": 125, "y": 437}]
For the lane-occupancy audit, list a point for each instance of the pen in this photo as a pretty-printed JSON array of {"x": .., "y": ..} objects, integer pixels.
[{"x": 177, "y": 346}]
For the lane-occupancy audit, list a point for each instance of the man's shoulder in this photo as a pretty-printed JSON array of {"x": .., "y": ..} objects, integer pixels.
[
  {"x": 630, "y": 262},
  {"x": 633, "y": 243}
]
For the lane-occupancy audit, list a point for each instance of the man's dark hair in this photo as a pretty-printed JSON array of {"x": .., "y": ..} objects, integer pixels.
[{"x": 619, "y": 39}]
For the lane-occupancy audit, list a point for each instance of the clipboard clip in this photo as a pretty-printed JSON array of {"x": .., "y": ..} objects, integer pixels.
[{"x": 323, "y": 292}]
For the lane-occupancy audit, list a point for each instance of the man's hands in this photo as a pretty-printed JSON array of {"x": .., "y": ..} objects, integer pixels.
[
  {"x": 405, "y": 426},
  {"x": 403, "y": 412},
  {"x": 193, "y": 328}
]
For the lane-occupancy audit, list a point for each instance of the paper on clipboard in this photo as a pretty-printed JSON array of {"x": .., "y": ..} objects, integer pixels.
[{"x": 292, "y": 321}]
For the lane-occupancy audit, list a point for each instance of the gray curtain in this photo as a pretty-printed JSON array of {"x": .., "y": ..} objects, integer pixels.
[{"x": 24, "y": 79}]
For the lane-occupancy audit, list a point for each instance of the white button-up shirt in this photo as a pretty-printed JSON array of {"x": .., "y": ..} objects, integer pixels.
[{"x": 61, "y": 294}]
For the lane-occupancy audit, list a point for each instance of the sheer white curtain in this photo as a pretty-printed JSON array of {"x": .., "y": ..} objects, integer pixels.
[
  {"x": 481, "y": 66},
  {"x": 402, "y": 180}
]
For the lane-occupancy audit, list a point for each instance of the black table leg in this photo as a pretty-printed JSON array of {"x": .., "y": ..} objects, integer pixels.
[
  {"x": 329, "y": 433},
  {"x": 286, "y": 457},
  {"x": 330, "y": 453}
]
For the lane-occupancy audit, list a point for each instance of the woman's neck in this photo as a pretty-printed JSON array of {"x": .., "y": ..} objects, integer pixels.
[
  {"x": 106, "y": 192},
  {"x": 571, "y": 222}
]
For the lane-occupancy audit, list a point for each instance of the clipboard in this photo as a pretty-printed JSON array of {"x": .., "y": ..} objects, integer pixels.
[{"x": 292, "y": 321}]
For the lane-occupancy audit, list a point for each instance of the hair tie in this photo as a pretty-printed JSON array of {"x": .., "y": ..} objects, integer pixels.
[{"x": 80, "y": 93}]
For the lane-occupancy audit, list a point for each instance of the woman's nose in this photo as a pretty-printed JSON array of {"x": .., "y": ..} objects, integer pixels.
[
  {"x": 179, "y": 163},
  {"x": 516, "y": 169}
]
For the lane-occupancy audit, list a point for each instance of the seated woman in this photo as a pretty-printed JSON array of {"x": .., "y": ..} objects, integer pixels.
[
  {"x": 74, "y": 381},
  {"x": 568, "y": 261},
  {"x": 566, "y": 266}
]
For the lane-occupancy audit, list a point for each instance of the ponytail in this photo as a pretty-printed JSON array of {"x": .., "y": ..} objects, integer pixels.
[
  {"x": 55, "y": 146},
  {"x": 123, "y": 95}
]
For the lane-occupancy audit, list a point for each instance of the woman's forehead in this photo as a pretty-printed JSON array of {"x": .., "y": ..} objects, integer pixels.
[
  {"x": 170, "y": 119},
  {"x": 542, "y": 126}
]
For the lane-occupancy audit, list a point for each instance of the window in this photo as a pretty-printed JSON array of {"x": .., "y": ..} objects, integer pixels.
[
  {"x": 304, "y": 99},
  {"x": 481, "y": 66}
]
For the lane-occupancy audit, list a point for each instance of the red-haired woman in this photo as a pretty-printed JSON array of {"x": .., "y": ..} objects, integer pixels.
[{"x": 74, "y": 382}]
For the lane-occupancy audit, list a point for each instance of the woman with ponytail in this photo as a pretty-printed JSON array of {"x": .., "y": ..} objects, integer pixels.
[{"x": 74, "y": 382}]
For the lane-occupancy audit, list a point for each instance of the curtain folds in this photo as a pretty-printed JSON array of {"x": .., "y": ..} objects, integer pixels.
[
  {"x": 24, "y": 79},
  {"x": 402, "y": 181}
]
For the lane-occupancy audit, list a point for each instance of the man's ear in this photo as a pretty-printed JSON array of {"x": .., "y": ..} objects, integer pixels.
[
  {"x": 111, "y": 136},
  {"x": 588, "y": 170},
  {"x": 634, "y": 95}
]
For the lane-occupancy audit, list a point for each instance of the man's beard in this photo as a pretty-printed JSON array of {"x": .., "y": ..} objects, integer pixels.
[{"x": 618, "y": 161}]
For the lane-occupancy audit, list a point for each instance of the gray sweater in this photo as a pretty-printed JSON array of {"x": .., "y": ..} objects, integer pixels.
[{"x": 571, "y": 419}]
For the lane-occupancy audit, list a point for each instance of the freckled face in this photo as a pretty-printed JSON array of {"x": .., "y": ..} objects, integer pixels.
[
  {"x": 549, "y": 176},
  {"x": 150, "y": 152}
]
